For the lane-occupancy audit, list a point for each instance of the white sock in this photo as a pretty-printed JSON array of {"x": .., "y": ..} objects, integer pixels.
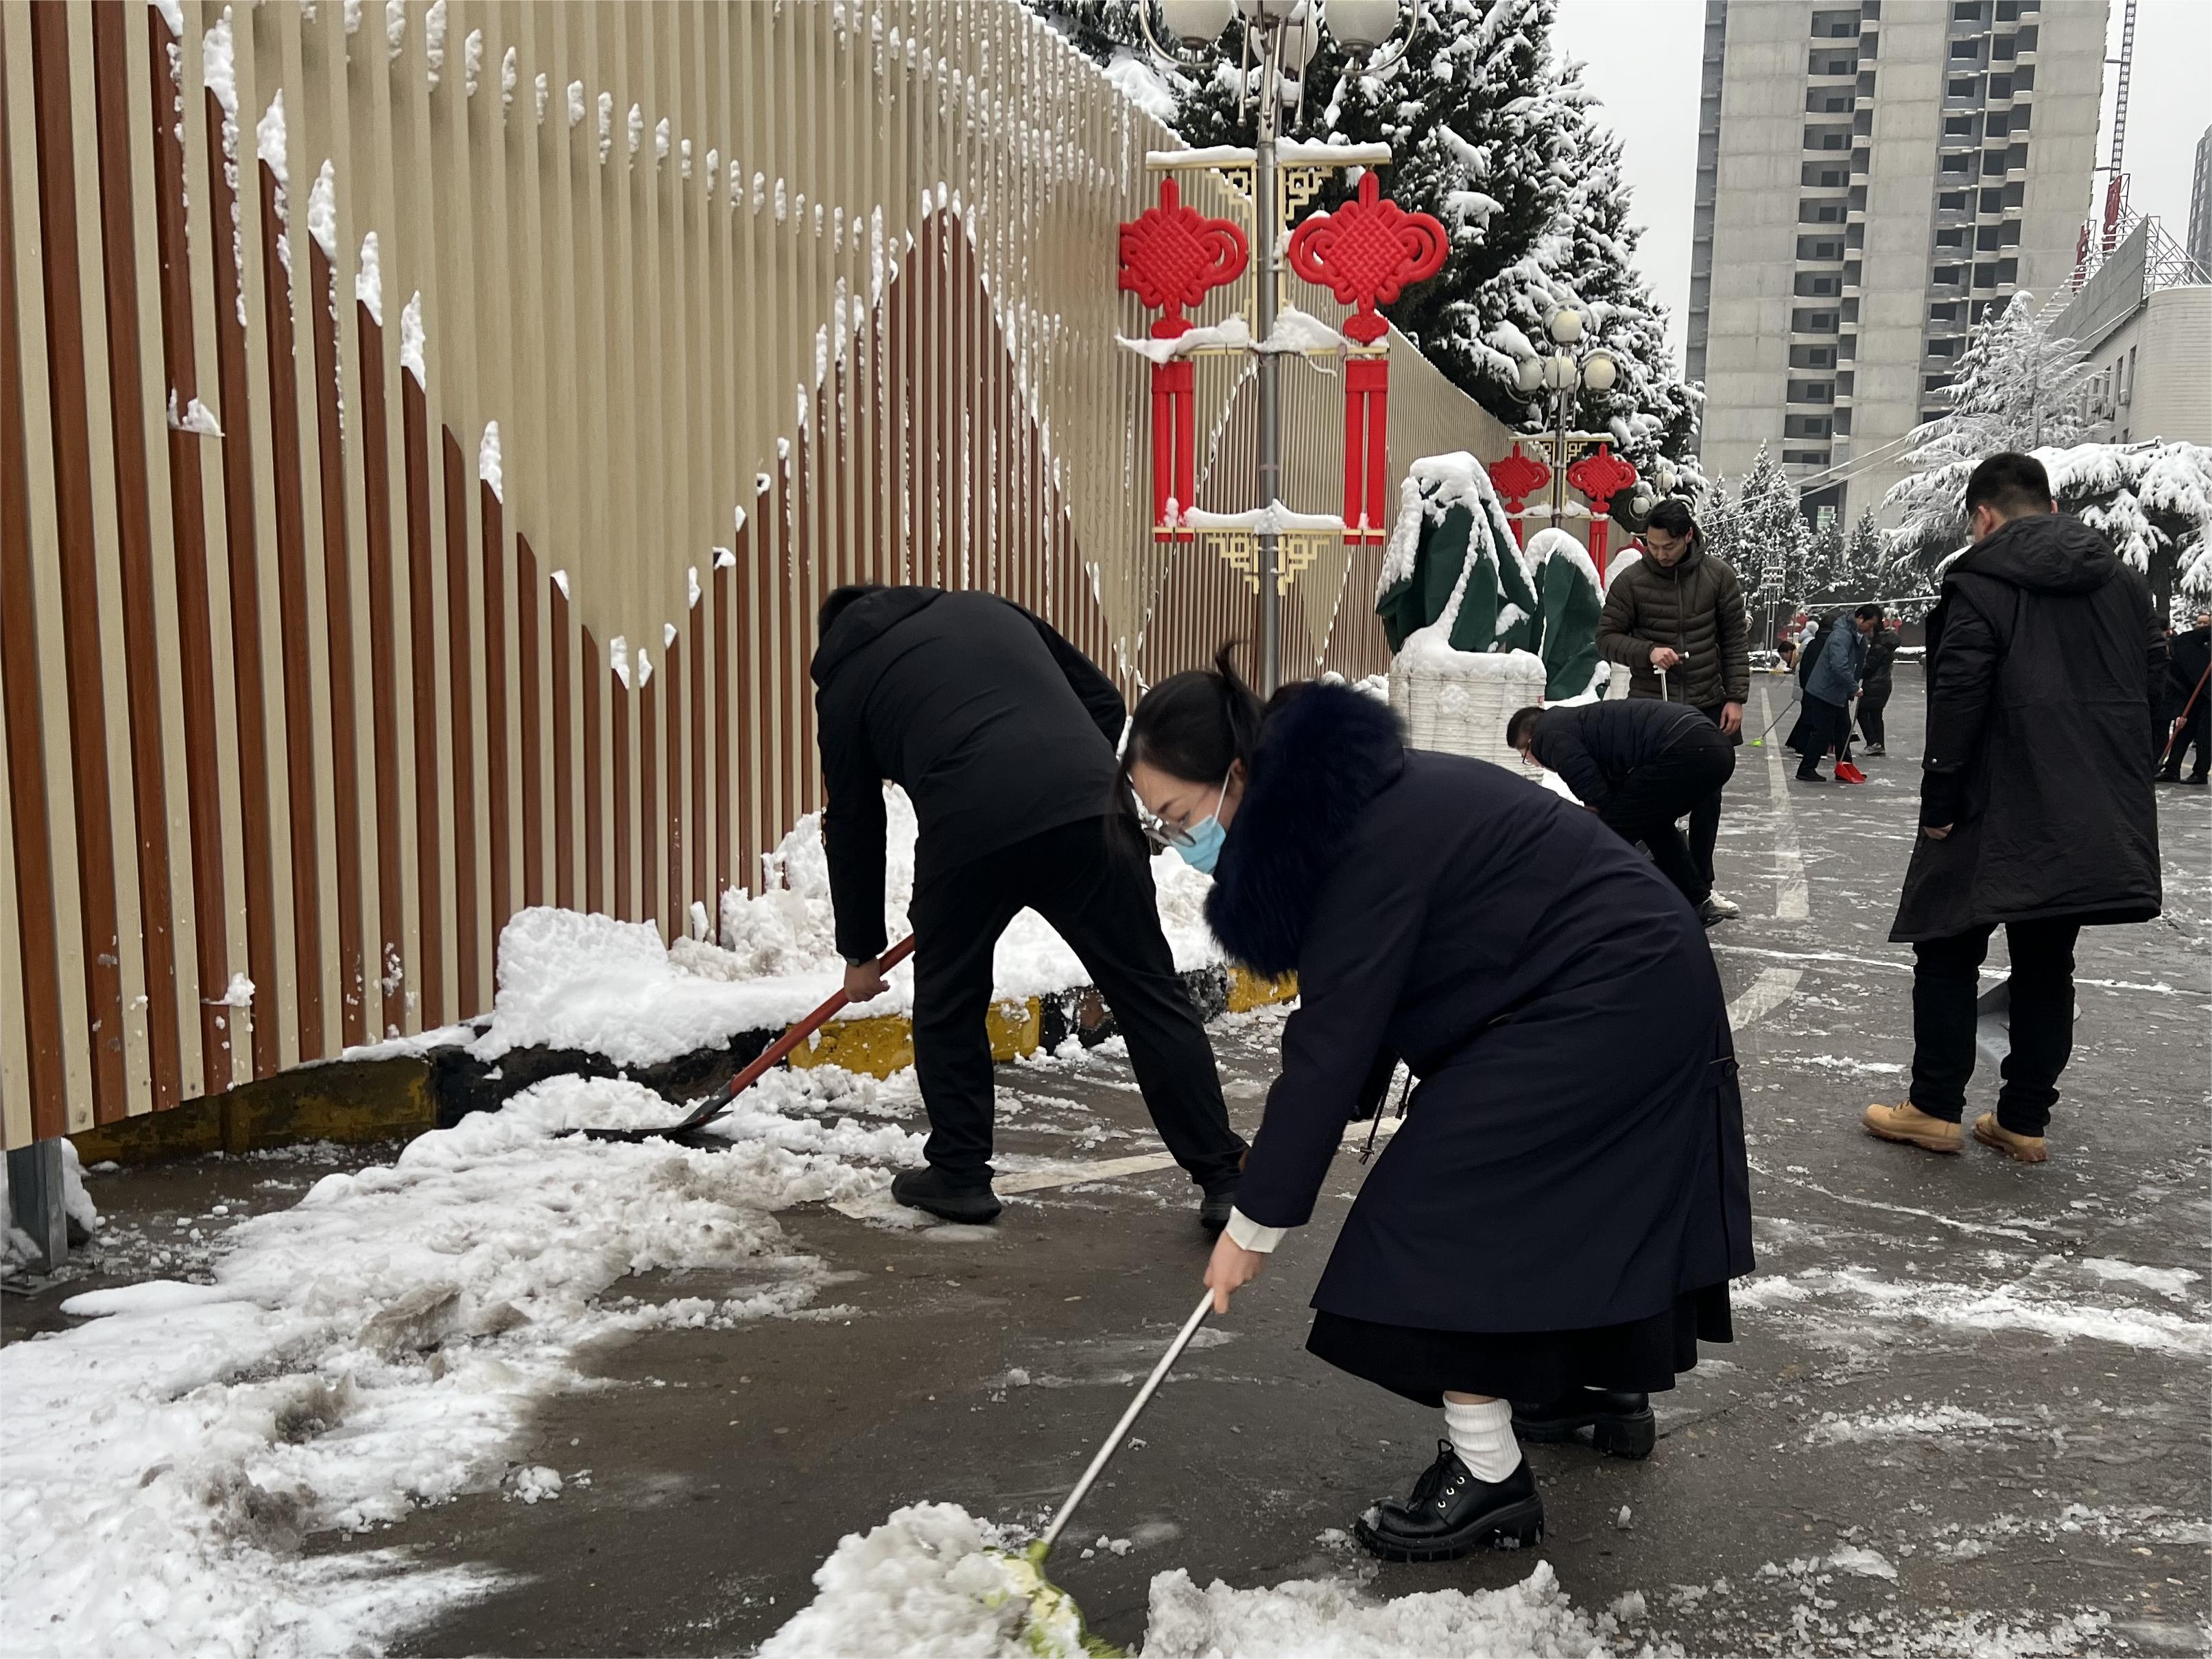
[{"x": 1483, "y": 1436}]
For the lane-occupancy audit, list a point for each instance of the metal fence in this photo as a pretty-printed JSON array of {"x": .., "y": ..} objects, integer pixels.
[{"x": 426, "y": 434}]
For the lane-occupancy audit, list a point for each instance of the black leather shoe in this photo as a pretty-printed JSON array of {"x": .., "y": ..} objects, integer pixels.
[
  {"x": 929, "y": 1189},
  {"x": 1451, "y": 1513},
  {"x": 1214, "y": 1209},
  {"x": 1620, "y": 1423}
]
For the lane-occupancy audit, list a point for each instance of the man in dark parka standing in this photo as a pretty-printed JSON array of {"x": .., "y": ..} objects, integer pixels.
[
  {"x": 1004, "y": 735},
  {"x": 2036, "y": 809},
  {"x": 1876, "y": 682}
]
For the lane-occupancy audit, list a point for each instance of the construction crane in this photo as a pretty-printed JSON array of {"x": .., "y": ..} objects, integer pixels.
[{"x": 2116, "y": 186}]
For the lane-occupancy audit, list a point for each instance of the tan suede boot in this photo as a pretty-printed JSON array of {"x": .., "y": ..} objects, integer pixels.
[
  {"x": 2028, "y": 1148},
  {"x": 1909, "y": 1124}
]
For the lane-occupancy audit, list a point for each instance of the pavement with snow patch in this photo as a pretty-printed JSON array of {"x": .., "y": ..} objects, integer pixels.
[{"x": 1965, "y": 1411}]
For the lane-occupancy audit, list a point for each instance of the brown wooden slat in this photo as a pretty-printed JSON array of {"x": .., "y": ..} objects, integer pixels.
[
  {"x": 695, "y": 660},
  {"x": 189, "y": 552},
  {"x": 625, "y": 882},
  {"x": 469, "y": 996},
  {"x": 37, "y": 955},
  {"x": 672, "y": 835},
  {"x": 80, "y": 553},
  {"x": 430, "y": 972},
  {"x": 337, "y": 612},
  {"x": 651, "y": 826},
  {"x": 595, "y": 891},
  {"x": 788, "y": 807},
  {"x": 533, "y": 714},
  {"x": 134, "y": 533},
  {"x": 391, "y": 966},
  {"x": 244, "y": 567},
  {"x": 306, "y": 838},
  {"x": 724, "y": 580},
  {"x": 491, "y": 514}
]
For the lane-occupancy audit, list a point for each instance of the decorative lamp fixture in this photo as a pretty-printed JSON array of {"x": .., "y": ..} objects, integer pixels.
[
  {"x": 1565, "y": 325},
  {"x": 1529, "y": 374},
  {"x": 1600, "y": 371},
  {"x": 1196, "y": 23},
  {"x": 1363, "y": 25},
  {"x": 1301, "y": 41}
]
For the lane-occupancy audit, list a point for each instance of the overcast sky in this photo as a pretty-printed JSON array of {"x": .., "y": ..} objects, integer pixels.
[{"x": 1643, "y": 58}]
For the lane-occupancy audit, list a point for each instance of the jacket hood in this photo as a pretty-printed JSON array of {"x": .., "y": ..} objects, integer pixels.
[
  {"x": 1321, "y": 759},
  {"x": 2044, "y": 553},
  {"x": 866, "y": 621}
]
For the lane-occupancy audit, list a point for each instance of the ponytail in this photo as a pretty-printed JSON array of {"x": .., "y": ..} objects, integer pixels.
[{"x": 1195, "y": 725}]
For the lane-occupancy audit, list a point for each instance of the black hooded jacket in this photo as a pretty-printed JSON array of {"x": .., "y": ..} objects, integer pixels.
[
  {"x": 1574, "y": 1155},
  {"x": 2043, "y": 672},
  {"x": 1595, "y": 746},
  {"x": 995, "y": 727}
]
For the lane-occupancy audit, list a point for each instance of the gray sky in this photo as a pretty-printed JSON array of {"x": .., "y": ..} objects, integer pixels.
[{"x": 1643, "y": 58}]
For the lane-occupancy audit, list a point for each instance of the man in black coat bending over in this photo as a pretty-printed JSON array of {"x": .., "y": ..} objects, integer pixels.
[
  {"x": 1004, "y": 736},
  {"x": 1639, "y": 765},
  {"x": 2036, "y": 811}
]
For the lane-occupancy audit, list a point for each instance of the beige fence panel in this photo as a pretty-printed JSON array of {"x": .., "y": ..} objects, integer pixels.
[{"x": 426, "y": 432}]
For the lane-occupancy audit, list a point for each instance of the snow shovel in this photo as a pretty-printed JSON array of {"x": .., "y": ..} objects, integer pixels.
[
  {"x": 686, "y": 1127},
  {"x": 1053, "y": 1613}
]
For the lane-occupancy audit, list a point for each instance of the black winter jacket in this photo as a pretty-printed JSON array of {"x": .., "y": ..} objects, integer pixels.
[
  {"x": 996, "y": 726},
  {"x": 2043, "y": 664},
  {"x": 1876, "y": 672},
  {"x": 1593, "y": 745},
  {"x": 1696, "y": 605},
  {"x": 1574, "y": 1155}
]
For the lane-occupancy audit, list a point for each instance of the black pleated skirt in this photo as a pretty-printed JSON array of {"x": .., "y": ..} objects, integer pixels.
[{"x": 1643, "y": 1356}]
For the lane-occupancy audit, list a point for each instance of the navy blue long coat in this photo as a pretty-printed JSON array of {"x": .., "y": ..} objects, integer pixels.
[{"x": 1573, "y": 1155}]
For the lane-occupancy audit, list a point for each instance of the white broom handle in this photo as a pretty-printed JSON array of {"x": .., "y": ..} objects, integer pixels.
[{"x": 1121, "y": 1429}]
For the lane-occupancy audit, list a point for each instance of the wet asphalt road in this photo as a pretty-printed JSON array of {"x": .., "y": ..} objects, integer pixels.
[{"x": 1992, "y": 1377}]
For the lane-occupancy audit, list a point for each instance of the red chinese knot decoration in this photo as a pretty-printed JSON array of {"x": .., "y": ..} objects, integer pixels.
[
  {"x": 1601, "y": 475},
  {"x": 1517, "y": 478},
  {"x": 1364, "y": 253},
  {"x": 1172, "y": 256}
]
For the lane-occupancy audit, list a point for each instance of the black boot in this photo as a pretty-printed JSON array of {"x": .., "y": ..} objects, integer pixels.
[
  {"x": 1620, "y": 1423},
  {"x": 1451, "y": 1513},
  {"x": 929, "y": 1189},
  {"x": 1214, "y": 1209}
]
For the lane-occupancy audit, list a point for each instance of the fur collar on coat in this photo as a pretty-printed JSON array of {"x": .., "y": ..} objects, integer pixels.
[{"x": 1322, "y": 758}]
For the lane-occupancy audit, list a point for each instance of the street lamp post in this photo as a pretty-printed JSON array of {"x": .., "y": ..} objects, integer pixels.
[
  {"x": 1563, "y": 375},
  {"x": 1280, "y": 39}
]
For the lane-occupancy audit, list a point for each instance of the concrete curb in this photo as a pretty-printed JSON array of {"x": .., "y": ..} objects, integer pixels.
[{"x": 356, "y": 1101}]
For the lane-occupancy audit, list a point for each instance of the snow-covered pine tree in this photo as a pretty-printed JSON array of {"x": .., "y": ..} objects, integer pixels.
[
  {"x": 1720, "y": 527},
  {"x": 2154, "y": 503},
  {"x": 1497, "y": 140},
  {"x": 1866, "y": 556},
  {"x": 1775, "y": 541},
  {"x": 1827, "y": 573},
  {"x": 2016, "y": 389}
]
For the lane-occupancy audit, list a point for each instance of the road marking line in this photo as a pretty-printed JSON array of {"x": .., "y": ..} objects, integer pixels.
[
  {"x": 1769, "y": 990},
  {"x": 1792, "y": 900}
]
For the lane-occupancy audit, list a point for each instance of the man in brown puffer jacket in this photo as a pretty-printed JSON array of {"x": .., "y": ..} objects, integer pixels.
[{"x": 1676, "y": 618}]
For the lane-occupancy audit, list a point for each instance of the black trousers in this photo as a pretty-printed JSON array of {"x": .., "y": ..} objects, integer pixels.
[
  {"x": 1684, "y": 778},
  {"x": 1098, "y": 894},
  {"x": 1944, "y": 987},
  {"x": 1826, "y": 726},
  {"x": 1872, "y": 702},
  {"x": 1705, "y": 816},
  {"x": 2194, "y": 731}
]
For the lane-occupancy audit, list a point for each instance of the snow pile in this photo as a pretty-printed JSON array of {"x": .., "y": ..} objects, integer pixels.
[
  {"x": 488, "y": 461},
  {"x": 1323, "y": 1619},
  {"x": 375, "y": 1348},
  {"x": 195, "y": 417},
  {"x": 926, "y": 1582},
  {"x": 412, "y": 340}
]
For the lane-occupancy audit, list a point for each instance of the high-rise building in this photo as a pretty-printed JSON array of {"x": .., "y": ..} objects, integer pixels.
[
  {"x": 2200, "y": 204},
  {"x": 1873, "y": 181}
]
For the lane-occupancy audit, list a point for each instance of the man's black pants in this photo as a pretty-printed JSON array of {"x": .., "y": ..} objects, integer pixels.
[
  {"x": 1097, "y": 894},
  {"x": 1872, "y": 702},
  {"x": 1705, "y": 816},
  {"x": 1685, "y": 777},
  {"x": 2193, "y": 733},
  {"x": 1944, "y": 987}
]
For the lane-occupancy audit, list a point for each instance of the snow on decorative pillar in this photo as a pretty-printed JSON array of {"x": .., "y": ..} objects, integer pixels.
[
  {"x": 1171, "y": 257},
  {"x": 1517, "y": 478},
  {"x": 1364, "y": 253},
  {"x": 1601, "y": 475}
]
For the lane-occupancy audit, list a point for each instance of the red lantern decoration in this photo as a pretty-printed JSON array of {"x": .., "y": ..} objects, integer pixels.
[
  {"x": 1171, "y": 257},
  {"x": 1517, "y": 478},
  {"x": 1365, "y": 253},
  {"x": 1601, "y": 475}
]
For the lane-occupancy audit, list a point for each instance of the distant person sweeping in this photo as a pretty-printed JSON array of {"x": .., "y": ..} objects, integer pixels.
[
  {"x": 2189, "y": 696},
  {"x": 1003, "y": 734},
  {"x": 1877, "y": 680},
  {"x": 1556, "y": 1222},
  {"x": 1675, "y": 617},
  {"x": 1640, "y": 766},
  {"x": 2036, "y": 807}
]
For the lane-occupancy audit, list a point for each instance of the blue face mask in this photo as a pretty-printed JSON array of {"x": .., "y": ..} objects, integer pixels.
[{"x": 1199, "y": 845}]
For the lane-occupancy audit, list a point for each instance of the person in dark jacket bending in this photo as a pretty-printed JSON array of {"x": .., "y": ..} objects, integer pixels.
[
  {"x": 1875, "y": 683},
  {"x": 2189, "y": 696},
  {"x": 1003, "y": 734},
  {"x": 2036, "y": 809},
  {"x": 1675, "y": 617},
  {"x": 1831, "y": 678},
  {"x": 1639, "y": 765},
  {"x": 1556, "y": 1221}
]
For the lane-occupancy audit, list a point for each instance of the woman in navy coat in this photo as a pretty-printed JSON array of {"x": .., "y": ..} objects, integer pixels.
[{"x": 1552, "y": 1230}]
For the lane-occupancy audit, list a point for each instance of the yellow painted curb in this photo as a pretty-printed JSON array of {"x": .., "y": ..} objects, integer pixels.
[
  {"x": 357, "y": 1101},
  {"x": 1247, "y": 991},
  {"x": 884, "y": 1044}
]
